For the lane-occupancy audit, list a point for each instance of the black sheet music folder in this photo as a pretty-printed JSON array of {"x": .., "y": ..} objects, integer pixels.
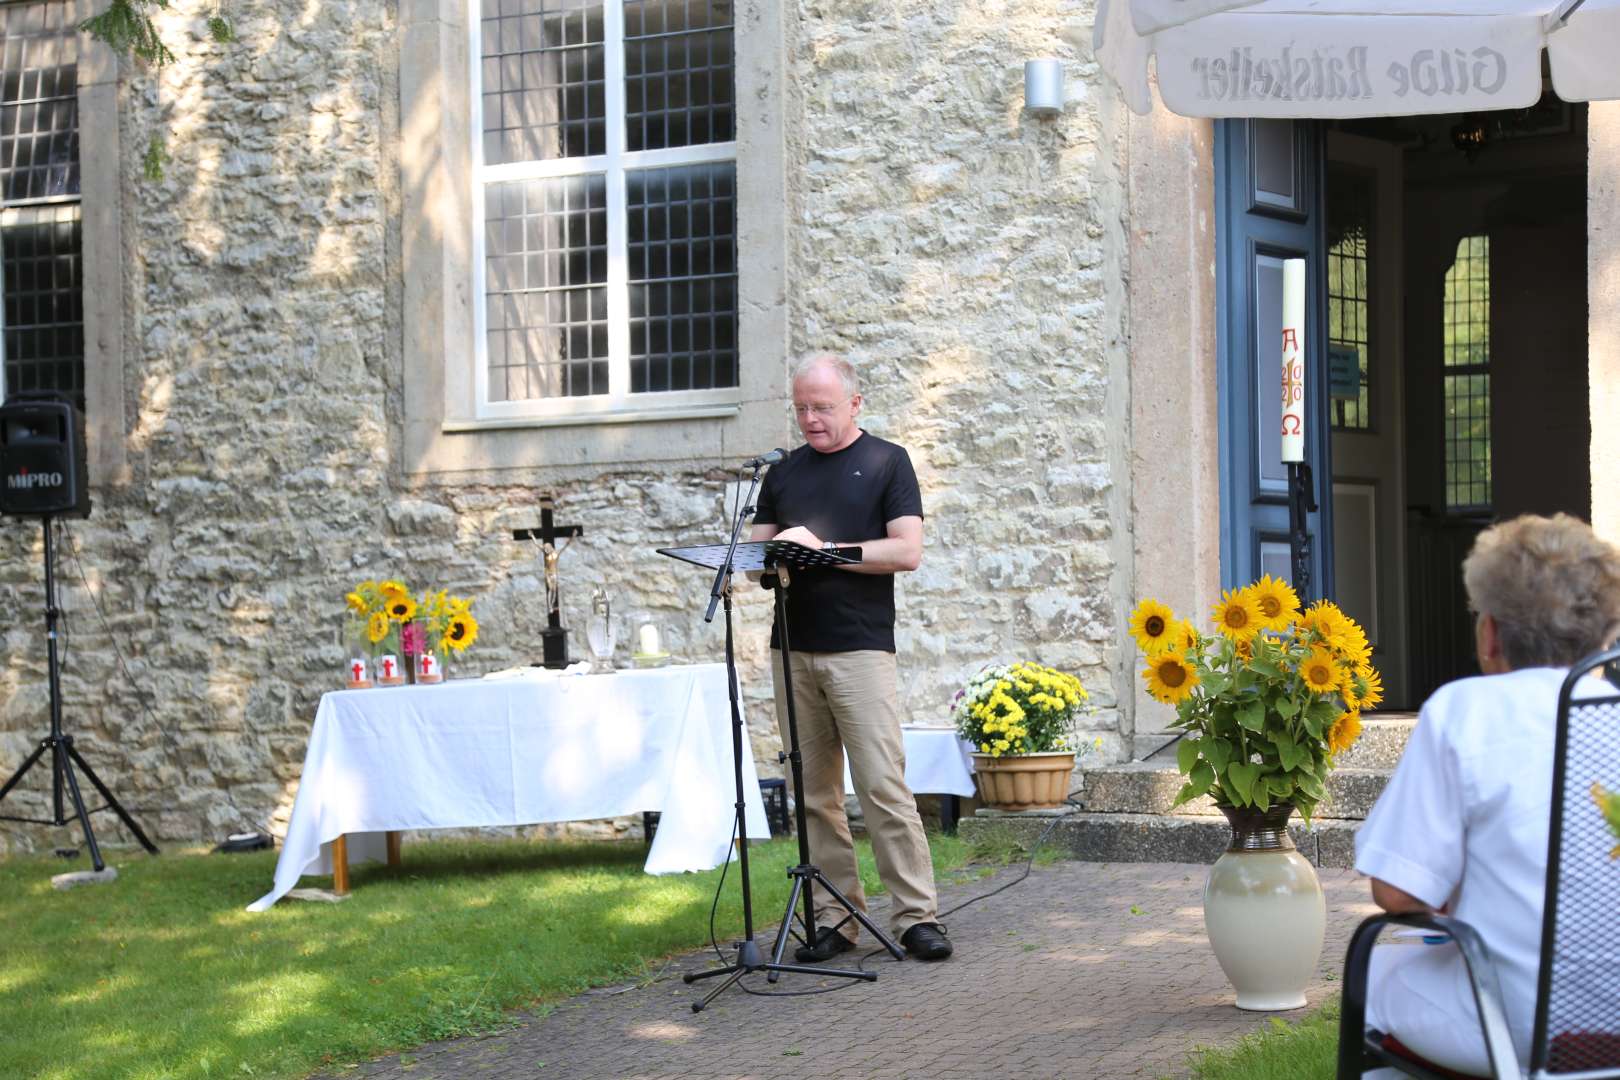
[{"x": 763, "y": 555}]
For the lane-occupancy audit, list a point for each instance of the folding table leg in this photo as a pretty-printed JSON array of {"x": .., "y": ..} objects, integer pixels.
[
  {"x": 393, "y": 847},
  {"x": 340, "y": 866}
]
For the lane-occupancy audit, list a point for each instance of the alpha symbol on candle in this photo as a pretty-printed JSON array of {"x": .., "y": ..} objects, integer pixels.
[{"x": 1290, "y": 341}]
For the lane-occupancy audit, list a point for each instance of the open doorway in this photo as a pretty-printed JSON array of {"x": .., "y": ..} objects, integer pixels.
[{"x": 1456, "y": 332}]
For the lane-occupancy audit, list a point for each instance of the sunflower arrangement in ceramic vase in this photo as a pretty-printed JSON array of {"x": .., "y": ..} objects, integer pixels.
[{"x": 1267, "y": 701}]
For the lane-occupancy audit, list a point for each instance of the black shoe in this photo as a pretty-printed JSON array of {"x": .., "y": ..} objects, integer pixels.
[
  {"x": 829, "y": 943},
  {"x": 926, "y": 941}
]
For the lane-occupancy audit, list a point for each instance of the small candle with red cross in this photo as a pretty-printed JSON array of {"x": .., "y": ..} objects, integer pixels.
[
  {"x": 389, "y": 673},
  {"x": 427, "y": 668},
  {"x": 358, "y": 676}
]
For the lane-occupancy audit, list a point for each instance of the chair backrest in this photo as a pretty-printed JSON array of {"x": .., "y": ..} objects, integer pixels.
[{"x": 1577, "y": 1025}]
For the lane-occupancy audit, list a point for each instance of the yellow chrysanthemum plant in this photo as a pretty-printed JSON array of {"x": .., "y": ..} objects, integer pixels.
[
  {"x": 1021, "y": 708},
  {"x": 1267, "y": 701}
]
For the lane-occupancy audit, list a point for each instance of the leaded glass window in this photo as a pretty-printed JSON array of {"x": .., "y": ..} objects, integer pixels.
[
  {"x": 1466, "y": 361},
  {"x": 606, "y": 234},
  {"x": 1349, "y": 224},
  {"x": 41, "y": 260}
]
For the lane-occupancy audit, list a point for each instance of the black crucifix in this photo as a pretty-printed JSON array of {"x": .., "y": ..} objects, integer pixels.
[{"x": 554, "y": 638}]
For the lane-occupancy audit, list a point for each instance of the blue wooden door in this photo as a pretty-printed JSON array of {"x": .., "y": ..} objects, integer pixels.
[{"x": 1268, "y": 193}]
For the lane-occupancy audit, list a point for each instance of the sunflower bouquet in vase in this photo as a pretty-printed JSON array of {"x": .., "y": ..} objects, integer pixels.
[
  {"x": 1265, "y": 704},
  {"x": 378, "y": 611},
  {"x": 1267, "y": 701},
  {"x": 447, "y": 628}
]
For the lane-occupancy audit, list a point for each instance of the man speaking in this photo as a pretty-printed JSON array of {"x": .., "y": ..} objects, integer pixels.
[{"x": 845, "y": 487}]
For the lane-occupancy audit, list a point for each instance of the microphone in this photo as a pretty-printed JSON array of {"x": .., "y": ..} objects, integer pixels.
[{"x": 771, "y": 458}]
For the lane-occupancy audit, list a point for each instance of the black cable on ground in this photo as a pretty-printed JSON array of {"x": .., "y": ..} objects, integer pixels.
[{"x": 860, "y": 965}]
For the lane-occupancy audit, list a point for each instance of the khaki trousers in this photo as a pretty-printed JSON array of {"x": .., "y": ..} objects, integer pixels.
[{"x": 847, "y": 702}]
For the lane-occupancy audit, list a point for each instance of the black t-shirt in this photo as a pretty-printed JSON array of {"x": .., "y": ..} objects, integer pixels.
[{"x": 846, "y": 496}]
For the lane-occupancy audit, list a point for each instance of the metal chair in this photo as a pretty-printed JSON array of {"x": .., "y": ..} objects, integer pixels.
[{"x": 1576, "y": 1033}]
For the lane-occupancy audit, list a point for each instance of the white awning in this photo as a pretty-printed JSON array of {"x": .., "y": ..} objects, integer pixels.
[{"x": 1344, "y": 58}]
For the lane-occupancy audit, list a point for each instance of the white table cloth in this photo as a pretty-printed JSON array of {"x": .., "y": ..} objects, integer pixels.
[
  {"x": 938, "y": 762},
  {"x": 521, "y": 751}
]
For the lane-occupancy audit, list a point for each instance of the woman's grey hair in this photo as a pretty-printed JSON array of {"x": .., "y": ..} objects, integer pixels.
[
  {"x": 840, "y": 367},
  {"x": 1552, "y": 586}
]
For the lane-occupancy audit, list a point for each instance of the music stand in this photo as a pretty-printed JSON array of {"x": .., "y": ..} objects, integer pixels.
[{"x": 771, "y": 556}]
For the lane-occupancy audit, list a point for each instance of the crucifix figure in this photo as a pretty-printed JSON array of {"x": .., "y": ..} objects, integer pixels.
[{"x": 554, "y": 638}]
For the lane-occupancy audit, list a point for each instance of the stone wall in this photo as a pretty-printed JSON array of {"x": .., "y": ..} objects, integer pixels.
[
  {"x": 969, "y": 257},
  {"x": 972, "y": 257}
]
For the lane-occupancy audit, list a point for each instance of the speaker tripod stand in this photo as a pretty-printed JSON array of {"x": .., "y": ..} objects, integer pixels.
[
  {"x": 64, "y": 755},
  {"x": 773, "y": 556}
]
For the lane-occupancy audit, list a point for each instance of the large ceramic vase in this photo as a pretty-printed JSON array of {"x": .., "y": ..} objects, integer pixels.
[
  {"x": 1264, "y": 911},
  {"x": 1023, "y": 781}
]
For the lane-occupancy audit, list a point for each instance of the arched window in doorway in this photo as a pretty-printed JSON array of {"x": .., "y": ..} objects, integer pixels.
[{"x": 1467, "y": 375}]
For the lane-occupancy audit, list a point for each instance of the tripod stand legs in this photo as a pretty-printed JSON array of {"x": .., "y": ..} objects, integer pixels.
[
  {"x": 64, "y": 755},
  {"x": 107, "y": 796},
  {"x": 803, "y": 875}
]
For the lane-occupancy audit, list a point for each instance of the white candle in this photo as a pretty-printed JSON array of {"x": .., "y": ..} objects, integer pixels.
[
  {"x": 649, "y": 640},
  {"x": 1293, "y": 360}
]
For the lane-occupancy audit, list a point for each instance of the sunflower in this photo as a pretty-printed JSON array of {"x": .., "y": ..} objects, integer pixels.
[
  {"x": 1364, "y": 689},
  {"x": 1351, "y": 643},
  {"x": 401, "y": 608},
  {"x": 1154, "y": 627},
  {"x": 1321, "y": 674},
  {"x": 377, "y": 626},
  {"x": 357, "y": 604},
  {"x": 1344, "y": 732},
  {"x": 1323, "y": 619},
  {"x": 461, "y": 631},
  {"x": 1236, "y": 615},
  {"x": 392, "y": 590},
  {"x": 1277, "y": 601},
  {"x": 1169, "y": 677}
]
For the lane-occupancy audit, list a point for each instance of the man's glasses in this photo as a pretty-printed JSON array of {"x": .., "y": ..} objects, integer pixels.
[{"x": 823, "y": 411}]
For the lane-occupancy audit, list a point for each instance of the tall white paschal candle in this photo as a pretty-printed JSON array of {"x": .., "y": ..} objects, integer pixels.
[{"x": 1293, "y": 360}]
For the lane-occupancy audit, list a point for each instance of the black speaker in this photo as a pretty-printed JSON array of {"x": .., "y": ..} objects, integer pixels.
[{"x": 43, "y": 466}]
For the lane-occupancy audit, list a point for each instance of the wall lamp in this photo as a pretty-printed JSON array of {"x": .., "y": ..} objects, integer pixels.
[{"x": 1043, "y": 87}]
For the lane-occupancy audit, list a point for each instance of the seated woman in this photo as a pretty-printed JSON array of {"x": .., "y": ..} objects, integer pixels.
[{"x": 1462, "y": 826}]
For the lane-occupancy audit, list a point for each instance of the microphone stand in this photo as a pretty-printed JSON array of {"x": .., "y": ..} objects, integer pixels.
[{"x": 749, "y": 958}]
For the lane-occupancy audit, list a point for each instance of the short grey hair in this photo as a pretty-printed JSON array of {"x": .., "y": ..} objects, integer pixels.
[
  {"x": 840, "y": 367},
  {"x": 1551, "y": 584}
]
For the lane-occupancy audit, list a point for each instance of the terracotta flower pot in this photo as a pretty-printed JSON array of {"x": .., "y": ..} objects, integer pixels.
[{"x": 1023, "y": 781}]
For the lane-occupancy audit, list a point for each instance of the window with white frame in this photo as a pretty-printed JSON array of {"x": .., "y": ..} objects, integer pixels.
[{"x": 605, "y": 205}]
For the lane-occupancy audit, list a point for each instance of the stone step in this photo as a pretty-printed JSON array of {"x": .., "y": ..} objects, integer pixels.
[
  {"x": 1179, "y": 838},
  {"x": 1147, "y": 787},
  {"x": 1383, "y": 737}
]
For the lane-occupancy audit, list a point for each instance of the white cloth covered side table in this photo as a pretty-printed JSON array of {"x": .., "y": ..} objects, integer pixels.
[
  {"x": 522, "y": 751},
  {"x": 938, "y": 762}
]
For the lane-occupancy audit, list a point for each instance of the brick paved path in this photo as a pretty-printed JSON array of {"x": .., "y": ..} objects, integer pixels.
[{"x": 1053, "y": 978}]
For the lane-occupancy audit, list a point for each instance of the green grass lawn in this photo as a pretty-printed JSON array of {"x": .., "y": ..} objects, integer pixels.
[
  {"x": 1304, "y": 1050},
  {"x": 162, "y": 974}
]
